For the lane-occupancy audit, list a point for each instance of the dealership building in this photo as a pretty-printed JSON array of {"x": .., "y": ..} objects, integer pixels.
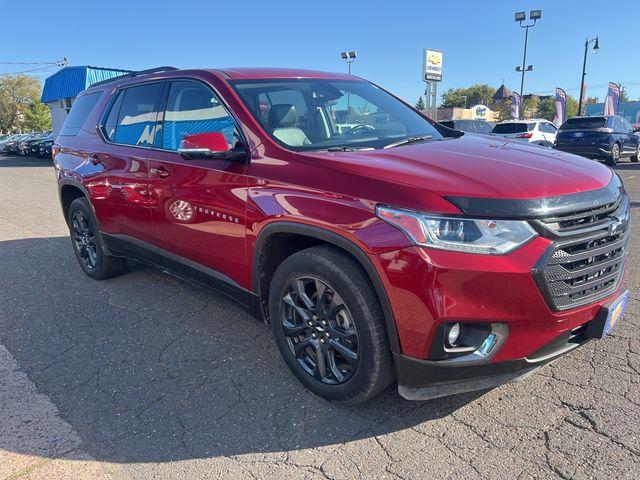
[{"x": 61, "y": 89}]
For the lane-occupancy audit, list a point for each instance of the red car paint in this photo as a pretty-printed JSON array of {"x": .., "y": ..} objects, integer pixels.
[{"x": 338, "y": 193}]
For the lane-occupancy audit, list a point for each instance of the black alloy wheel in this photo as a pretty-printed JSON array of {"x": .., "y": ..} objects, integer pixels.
[
  {"x": 88, "y": 244},
  {"x": 320, "y": 330},
  {"x": 328, "y": 325},
  {"x": 85, "y": 240}
]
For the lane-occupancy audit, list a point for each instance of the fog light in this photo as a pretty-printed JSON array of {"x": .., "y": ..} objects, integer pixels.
[{"x": 453, "y": 335}]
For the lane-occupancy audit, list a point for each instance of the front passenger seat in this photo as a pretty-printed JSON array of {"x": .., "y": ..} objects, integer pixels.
[{"x": 282, "y": 120}]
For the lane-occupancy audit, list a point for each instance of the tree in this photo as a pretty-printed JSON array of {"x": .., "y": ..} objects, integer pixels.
[
  {"x": 476, "y": 94},
  {"x": 17, "y": 95},
  {"x": 420, "y": 104},
  {"x": 530, "y": 106},
  {"x": 38, "y": 117},
  {"x": 503, "y": 109},
  {"x": 547, "y": 108},
  {"x": 572, "y": 106},
  {"x": 624, "y": 96},
  {"x": 593, "y": 100}
]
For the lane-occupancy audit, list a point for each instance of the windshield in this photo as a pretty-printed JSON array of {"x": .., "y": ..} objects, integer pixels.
[
  {"x": 584, "y": 123},
  {"x": 318, "y": 114},
  {"x": 512, "y": 127}
]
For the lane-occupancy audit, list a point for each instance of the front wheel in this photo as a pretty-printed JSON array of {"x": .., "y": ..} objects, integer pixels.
[
  {"x": 329, "y": 327},
  {"x": 615, "y": 155},
  {"x": 635, "y": 158}
]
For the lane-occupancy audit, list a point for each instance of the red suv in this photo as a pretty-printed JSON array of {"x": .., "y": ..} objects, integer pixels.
[{"x": 380, "y": 245}]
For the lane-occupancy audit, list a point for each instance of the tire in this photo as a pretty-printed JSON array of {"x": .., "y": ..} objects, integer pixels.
[
  {"x": 348, "y": 325},
  {"x": 636, "y": 157},
  {"x": 612, "y": 161},
  {"x": 87, "y": 243}
]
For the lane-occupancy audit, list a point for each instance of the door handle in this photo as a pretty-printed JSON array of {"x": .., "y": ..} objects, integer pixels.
[
  {"x": 95, "y": 160},
  {"x": 159, "y": 172}
]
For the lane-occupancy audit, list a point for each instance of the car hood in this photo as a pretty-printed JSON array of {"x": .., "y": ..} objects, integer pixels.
[{"x": 478, "y": 166}]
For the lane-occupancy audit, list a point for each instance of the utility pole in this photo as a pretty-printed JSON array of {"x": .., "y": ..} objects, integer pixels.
[{"x": 596, "y": 48}]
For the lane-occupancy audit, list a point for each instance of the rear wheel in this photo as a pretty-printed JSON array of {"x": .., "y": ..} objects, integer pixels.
[
  {"x": 615, "y": 155},
  {"x": 87, "y": 243},
  {"x": 329, "y": 327}
]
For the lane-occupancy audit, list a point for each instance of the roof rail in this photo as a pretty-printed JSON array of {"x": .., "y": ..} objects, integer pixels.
[
  {"x": 149, "y": 71},
  {"x": 154, "y": 70}
]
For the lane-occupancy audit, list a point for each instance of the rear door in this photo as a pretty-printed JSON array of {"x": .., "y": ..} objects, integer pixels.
[
  {"x": 120, "y": 185},
  {"x": 630, "y": 139},
  {"x": 198, "y": 205}
]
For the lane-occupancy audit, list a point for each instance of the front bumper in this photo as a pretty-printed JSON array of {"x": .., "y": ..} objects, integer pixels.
[
  {"x": 428, "y": 288},
  {"x": 424, "y": 379}
]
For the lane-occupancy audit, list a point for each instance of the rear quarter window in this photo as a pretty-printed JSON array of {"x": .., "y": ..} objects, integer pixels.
[{"x": 79, "y": 113}]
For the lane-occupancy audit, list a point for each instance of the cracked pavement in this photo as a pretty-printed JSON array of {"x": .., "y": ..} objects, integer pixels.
[{"x": 148, "y": 376}]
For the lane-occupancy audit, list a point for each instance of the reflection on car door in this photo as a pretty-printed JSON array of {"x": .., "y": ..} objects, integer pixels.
[
  {"x": 198, "y": 205},
  {"x": 120, "y": 190}
]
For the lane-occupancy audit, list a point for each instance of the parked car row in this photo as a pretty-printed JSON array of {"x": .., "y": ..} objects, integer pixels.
[
  {"x": 35, "y": 144},
  {"x": 608, "y": 138}
]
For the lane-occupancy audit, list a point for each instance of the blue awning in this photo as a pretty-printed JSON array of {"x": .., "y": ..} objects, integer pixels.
[{"x": 70, "y": 81}]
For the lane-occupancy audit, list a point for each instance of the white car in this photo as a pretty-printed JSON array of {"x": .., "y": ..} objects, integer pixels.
[{"x": 538, "y": 131}]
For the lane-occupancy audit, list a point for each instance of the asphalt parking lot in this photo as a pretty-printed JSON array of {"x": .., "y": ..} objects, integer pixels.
[{"x": 146, "y": 376}]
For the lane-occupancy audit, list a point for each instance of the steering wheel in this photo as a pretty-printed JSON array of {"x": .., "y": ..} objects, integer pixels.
[{"x": 358, "y": 128}]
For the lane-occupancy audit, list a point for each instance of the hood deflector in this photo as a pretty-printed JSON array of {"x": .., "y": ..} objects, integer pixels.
[{"x": 540, "y": 207}]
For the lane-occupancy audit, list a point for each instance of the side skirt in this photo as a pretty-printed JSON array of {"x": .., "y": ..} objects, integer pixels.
[{"x": 130, "y": 247}]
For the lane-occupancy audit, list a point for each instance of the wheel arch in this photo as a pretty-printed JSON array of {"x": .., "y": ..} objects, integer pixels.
[
  {"x": 296, "y": 237},
  {"x": 69, "y": 191}
]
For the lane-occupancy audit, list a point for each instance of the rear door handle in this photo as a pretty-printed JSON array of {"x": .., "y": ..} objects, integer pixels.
[{"x": 159, "y": 172}]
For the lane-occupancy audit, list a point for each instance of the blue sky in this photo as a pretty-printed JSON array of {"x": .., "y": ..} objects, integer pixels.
[{"x": 481, "y": 41}]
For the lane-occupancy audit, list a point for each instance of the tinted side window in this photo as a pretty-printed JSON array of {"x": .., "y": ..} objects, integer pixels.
[
  {"x": 547, "y": 128},
  {"x": 111, "y": 122},
  {"x": 81, "y": 109},
  {"x": 194, "y": 108},
  {"x": 466, "y": 126},
  {"x": 627, "y": 124},
  {"x": 483, "y": 127},
  {"x": 138, "y": 114}
]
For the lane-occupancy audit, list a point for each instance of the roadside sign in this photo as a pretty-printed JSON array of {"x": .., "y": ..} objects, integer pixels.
[{"x": 432, "y": 66}]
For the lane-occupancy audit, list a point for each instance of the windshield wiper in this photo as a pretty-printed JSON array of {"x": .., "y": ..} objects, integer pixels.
[
  {"x": 347, "y": 149},
  {"x": 408, "y": 140}
]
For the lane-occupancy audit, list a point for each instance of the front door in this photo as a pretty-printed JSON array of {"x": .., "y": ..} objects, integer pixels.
[{"x": 198, "y": 206}]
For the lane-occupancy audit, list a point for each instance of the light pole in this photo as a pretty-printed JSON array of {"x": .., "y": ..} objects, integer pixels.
[
  {"x": 349, "y": 57},
  {"x": 465, "y": 100},
  {"x": 596, "y": 48},
  {"x": 534, "y": 15}
]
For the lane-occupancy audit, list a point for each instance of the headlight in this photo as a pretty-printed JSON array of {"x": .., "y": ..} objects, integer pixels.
[{"x": 460, "y": 234}]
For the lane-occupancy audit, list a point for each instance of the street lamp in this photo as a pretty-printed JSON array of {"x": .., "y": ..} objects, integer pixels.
[
  {"x": 534, "y": 16},
  {"x": 596, "y": 49},
  {"x": 349, "y": 57}
]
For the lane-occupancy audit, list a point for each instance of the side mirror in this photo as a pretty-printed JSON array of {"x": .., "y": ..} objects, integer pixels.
[
  {"x": 210, "y": 145},
  {"x": 636, "y": 127}
]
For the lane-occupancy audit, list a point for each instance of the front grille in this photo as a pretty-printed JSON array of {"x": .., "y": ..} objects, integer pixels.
[
  {"x": 587, "y": 266},
  {"x": 577, "y": 221}
]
